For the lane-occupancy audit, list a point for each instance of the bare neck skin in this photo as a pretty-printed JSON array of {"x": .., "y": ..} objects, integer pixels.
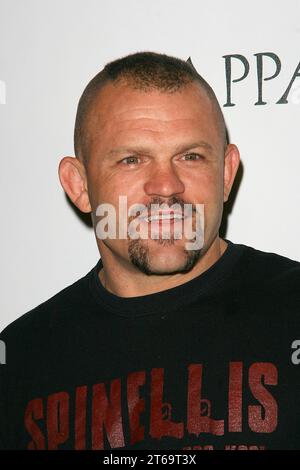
[{"x": 124, "y": 282}]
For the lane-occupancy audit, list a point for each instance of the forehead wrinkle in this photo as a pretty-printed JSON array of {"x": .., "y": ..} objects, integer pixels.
[
  {"x": 149, "y": 124},
  {"x": 134, "y": 112},
  {"x": 139, "y": 134}
]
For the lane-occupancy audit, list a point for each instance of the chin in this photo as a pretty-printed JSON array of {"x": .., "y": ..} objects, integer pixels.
[
  {"x": 160, "y": 259},
  {"x": 167, "y": 264}
]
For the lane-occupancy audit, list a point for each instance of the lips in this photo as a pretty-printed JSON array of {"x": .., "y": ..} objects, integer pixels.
[{"x": 163, "y": 216}]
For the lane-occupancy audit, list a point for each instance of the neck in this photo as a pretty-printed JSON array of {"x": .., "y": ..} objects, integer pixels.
[{"x": 127, "y": 281}]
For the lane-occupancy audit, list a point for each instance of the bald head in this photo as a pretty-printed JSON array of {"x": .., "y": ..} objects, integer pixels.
[{"x": 144, "y": 72}]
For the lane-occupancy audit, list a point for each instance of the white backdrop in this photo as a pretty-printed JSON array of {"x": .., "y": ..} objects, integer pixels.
[{"x": 50, "y": 49}]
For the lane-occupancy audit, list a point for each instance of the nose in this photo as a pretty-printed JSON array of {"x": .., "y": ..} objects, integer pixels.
[{"x": 163, "y": 181}]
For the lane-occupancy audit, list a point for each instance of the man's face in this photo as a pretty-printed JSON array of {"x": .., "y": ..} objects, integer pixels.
[{"x": 155, "y": 147}]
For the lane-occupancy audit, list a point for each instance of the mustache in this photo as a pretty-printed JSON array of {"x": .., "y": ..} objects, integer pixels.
[
  {"x": 170, "y": 202},
  {"x": 164, "y": 205}
]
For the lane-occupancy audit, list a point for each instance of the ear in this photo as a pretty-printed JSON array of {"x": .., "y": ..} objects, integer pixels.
[
  {"x": 231, "y": 164},
  {"x": 72, "y": 176}
]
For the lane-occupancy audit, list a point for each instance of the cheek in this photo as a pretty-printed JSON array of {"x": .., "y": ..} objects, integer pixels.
[
  {"x": 213, "y": 198},
  {"x": 206, "y": 186},
  {"x": 110, "y": 191}
]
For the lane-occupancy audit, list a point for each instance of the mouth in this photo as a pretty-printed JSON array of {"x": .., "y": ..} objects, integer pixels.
[{"x": 163, "y": 217}]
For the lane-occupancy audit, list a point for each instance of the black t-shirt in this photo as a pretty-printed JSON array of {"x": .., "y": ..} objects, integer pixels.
[{"x": 211, "y": 364}]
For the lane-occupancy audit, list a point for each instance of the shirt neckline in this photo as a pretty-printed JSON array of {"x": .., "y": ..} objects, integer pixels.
[{"x": 168, "y": 299}]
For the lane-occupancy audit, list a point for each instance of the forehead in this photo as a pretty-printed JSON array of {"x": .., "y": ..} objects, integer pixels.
[{"x": 120, "y": 111}]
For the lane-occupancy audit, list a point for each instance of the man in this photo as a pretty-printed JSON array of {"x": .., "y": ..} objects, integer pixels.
[{"x": 177, "y": 339}]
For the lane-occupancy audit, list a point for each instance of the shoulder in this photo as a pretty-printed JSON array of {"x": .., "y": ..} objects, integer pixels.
[
  {"x": 44, "y": 316},
  {"x": 269, "y": 271},
  {"x": 272, "y": 263}
]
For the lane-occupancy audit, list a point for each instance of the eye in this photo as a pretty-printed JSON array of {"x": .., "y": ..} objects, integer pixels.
[
  {"x": 131, "y": 160},
  {"x": 192, "y": 156}
]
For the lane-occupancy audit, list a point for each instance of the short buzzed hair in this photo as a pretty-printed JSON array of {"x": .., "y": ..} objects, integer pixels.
[{"x": 144, "y": 71}]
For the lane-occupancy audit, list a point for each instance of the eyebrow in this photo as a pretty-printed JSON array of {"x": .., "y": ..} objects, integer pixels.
[{"x": 178, "y": 149}]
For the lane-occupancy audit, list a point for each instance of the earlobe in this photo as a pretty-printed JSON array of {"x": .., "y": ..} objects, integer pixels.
[
  {"x": 72, "y": 177},
  {"x": 231, "y": 164}
]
